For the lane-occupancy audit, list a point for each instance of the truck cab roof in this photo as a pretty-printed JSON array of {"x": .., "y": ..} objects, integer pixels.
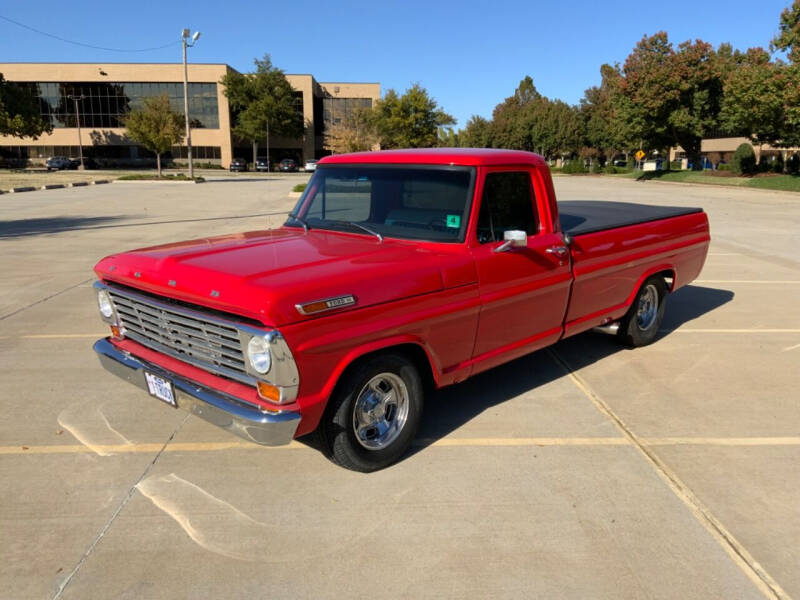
[{"x": 471, "y": 157}]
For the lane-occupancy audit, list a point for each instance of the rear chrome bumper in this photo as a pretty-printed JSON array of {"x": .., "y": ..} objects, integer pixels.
[{"x": 222, "y": 410}]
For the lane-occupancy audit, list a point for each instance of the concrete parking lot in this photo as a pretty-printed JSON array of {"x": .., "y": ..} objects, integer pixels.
[{"x": 582, "y": 471}]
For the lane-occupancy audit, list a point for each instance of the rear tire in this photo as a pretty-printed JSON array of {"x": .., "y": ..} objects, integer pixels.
[
  {"x": 374, "y": 414},
  {"x": 639, "y": 326}
]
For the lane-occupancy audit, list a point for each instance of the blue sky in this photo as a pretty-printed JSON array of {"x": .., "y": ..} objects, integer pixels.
[{"x": 469, "y": 55}]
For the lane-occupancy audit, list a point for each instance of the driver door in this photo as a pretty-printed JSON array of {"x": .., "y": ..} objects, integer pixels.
[{"x": 524, "y": 290}]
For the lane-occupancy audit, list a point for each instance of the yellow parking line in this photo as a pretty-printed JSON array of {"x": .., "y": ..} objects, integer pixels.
[{"x": 422, "y": 442}]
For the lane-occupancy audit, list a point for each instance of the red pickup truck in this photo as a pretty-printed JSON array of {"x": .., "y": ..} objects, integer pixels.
[{"x": 397, "y": 272}]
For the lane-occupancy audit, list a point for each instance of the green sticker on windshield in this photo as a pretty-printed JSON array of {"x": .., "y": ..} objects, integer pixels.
[{"x": 454, "y": 221}]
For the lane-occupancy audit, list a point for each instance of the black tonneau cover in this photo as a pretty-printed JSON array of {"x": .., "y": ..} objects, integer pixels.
[{"x": 587, "y": 216}]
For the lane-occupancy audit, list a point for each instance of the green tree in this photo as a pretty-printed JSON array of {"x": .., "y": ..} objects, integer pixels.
[
  {"x": 355, "y": 134},
  {"x": 409, "y": 121},
  {"x": 788, "y": 38},
  {"x": 670, "y": 96},
  {"x": 754, "y": 98},
  {"x": 475, "y": 134},
  {"x": 448, "y": 137},
  {"x": 260, "y": 101},
  {"x": 155, "y": 126},
  {"x": 19, "y": 112},
  {"x": 511, "y": 119},
  {"x": 605, "y": 129}
]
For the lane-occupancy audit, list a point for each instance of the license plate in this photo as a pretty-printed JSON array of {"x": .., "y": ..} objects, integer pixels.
[{"x": 160, "y": 388}]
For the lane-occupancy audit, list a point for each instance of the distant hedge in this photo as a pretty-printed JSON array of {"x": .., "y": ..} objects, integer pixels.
[{"x": 744, "y": 160}]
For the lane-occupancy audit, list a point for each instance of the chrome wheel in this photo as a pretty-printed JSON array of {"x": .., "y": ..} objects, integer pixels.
[
  {"x": 647, "y": 310},
  {"x": 380, "y": 411}
]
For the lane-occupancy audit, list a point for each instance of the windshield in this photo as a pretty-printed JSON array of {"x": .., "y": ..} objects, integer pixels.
[{"x": 423, "y": 203}]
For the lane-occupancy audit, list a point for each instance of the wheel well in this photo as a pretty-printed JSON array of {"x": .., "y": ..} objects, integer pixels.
[
  {"x": 669, "y": 278},
  {"x": 412, "y": 352}
]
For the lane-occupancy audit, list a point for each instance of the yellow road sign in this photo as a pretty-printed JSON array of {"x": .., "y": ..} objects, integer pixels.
[{"x": 639, "y": 155}]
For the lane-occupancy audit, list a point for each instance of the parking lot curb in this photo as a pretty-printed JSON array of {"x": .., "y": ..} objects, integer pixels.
[
  {"x": 78, "y": 183},
  {"x": 152, "y": 181},
  {"x": 53, "y": 186},
  {"x": 27, "y": 188},
  {"x": 101, "y": 181}
]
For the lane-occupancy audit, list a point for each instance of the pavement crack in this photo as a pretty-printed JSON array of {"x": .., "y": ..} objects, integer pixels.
[
  {"x": 45, "y": 299},
  {"x": 738, "y": 553},
  {"x": 117, "y": 512}
]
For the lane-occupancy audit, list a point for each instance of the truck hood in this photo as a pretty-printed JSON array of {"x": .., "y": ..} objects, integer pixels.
[{"x": 262, "y": 275}]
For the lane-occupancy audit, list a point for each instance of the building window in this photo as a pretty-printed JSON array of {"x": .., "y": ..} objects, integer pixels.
[
  {"x": 337, "y": 110},
  {"x": 103, "y": 105}
]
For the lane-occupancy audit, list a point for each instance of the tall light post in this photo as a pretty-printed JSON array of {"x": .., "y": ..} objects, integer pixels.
[
  {"x": 186, "y": 35},
  {"x": 78, "y": 123},
  {"x": 268, "y": 167}
]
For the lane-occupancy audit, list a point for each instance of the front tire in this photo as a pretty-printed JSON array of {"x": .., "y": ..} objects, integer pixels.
[
  {"x": 639, "y": 326},
  {"x": 374, "y": 414}
]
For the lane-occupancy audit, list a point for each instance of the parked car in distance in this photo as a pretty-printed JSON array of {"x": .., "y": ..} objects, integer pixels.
[
  {"x": 311, "y": 165},
  {"x": 262, "y": 164},
  {"x": 238, "y": 164},
  {"x": 57, "y": 163},
  {"x": 288, "y": 165}
]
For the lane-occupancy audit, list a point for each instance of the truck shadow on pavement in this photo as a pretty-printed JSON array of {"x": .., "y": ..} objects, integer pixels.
[
  {"x": 448, "y": 409},
  {"x": 26, "y": 227}
]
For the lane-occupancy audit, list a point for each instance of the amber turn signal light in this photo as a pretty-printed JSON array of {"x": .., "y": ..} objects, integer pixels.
[
  {"x": 116, "y": 332},
  {"x": 269, "y": 392}
]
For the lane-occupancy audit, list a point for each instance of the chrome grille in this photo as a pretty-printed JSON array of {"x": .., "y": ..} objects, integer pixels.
[{"x": 183, "y": 334}]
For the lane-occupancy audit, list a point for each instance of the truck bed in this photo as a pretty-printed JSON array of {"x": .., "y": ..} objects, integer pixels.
[{"x": 588, "y": 216}]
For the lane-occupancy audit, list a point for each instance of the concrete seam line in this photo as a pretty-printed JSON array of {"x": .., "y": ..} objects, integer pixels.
[
  {"x": 113, "y": 518},
  {"x": 738, "y": 553},
  {"x": 45, "y": 299}
]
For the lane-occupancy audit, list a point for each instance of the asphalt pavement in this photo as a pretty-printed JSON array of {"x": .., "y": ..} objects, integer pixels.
[{"x": 582, "y": 471}]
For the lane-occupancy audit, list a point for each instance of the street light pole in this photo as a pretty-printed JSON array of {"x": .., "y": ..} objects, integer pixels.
[
  {"x": 185, "y": 35},
  {"x": 268, "y": 167},
  {"x": 78, "y": 123}
]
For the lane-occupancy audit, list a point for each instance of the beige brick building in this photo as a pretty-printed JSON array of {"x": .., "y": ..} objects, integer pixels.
[{"x": 106, "y": 91}]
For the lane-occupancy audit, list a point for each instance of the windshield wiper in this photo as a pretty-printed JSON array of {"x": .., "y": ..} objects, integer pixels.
[
  {"x": 358, "y": 225},
  {"x": 301, "y": 221}
]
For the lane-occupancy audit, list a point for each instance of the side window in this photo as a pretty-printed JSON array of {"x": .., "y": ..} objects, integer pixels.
[{"x": 507, "y": 204}]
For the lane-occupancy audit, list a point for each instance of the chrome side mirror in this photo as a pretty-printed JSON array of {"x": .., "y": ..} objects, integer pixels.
[{"x": 513, "y": 239}]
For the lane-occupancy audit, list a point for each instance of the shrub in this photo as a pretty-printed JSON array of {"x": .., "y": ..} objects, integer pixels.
[
  {"x": 300, "y": 187},
  {"x": 675, "y": 165},
  {"x": 776, "y": 165},
  {"x": 723, "y": 167},
  {"x": 596, "y": 168},
  {"x": 793, "y": 164},
  {"x": 744, "y": 160},
  {"x": 573, "y": 167},
  {"x": 611, "y": 169}
]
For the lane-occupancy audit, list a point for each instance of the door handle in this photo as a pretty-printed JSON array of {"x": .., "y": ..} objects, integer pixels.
[{"x": 560, "y": 251}]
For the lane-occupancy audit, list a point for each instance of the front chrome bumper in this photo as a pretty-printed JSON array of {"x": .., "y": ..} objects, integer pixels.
[{"x": 222, "y": 410}]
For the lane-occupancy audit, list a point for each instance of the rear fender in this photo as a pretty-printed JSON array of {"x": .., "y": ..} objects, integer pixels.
[{"x": 668, "y": 270}]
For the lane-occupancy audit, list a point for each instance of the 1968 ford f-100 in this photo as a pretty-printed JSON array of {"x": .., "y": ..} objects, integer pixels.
[{"x": 397, "y": 272}]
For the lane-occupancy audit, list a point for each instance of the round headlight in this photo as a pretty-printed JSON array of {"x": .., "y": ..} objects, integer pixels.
[
  {"x": 258, "y": 353},
  {"x": 104, "y": 303}
]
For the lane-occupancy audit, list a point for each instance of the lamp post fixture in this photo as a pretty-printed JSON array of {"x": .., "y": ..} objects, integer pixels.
[
  {"x": 75, "y": 98},
  {"x": 186, "y": 36}
]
